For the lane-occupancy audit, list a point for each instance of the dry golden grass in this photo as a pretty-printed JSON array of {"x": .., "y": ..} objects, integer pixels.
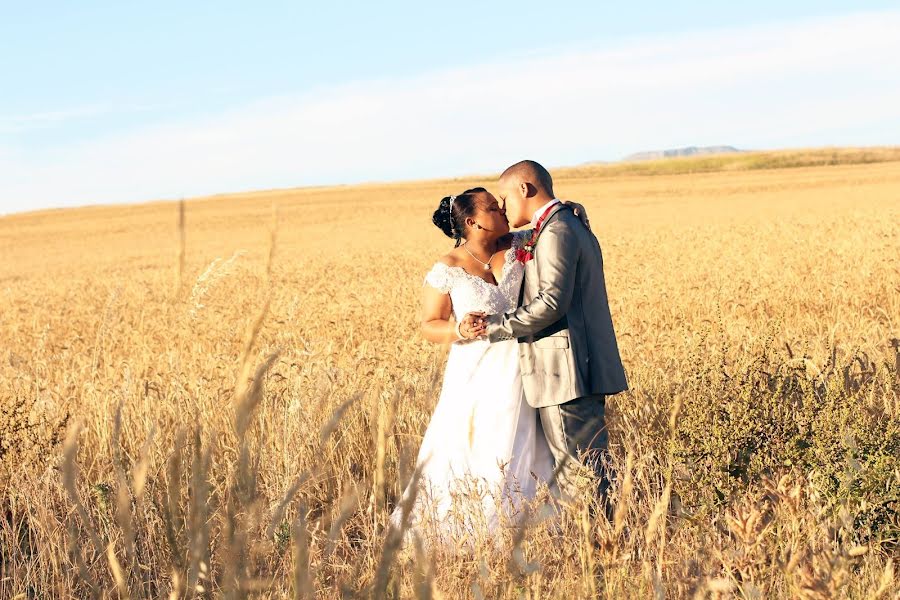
[{"x": 243, "y": 402}]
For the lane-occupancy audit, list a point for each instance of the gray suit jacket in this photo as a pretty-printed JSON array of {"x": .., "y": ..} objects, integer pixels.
[{"x": 567, "y": 345}]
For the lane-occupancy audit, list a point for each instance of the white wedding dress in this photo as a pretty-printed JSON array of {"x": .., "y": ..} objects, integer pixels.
[{"x": 483, "y": 451}]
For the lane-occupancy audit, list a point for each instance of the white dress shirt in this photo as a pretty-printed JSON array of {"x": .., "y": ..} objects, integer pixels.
[{"x": 540, "y": 211}]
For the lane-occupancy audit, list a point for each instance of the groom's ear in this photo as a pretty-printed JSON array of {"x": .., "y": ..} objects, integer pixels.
[{"x": 526, "y": 189}]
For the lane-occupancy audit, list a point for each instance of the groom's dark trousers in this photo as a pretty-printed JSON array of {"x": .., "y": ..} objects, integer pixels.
[{"x": 578, "y": 429}]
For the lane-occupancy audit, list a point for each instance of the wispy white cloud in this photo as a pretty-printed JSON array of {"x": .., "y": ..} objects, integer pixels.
[
  {"x": 22, "y": 122},
  {"x": 45, "y": 119},
  {"x": 808, "y": 82}
]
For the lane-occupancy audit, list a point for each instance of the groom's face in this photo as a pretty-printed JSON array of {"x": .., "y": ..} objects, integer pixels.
[{"x": 512, "y": 200}]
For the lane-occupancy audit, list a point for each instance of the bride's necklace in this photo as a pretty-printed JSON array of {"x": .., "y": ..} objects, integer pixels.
[{"x": 487, "y": 265}]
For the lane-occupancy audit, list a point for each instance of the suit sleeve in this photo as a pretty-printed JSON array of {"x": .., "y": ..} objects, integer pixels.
[{"x": 556, "y": 256}]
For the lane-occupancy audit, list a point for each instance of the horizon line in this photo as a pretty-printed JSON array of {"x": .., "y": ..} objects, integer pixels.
[{"x": 450, "y": 178}]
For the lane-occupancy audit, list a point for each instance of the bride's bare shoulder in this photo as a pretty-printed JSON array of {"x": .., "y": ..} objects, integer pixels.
[{"x": 452, "y": 258}]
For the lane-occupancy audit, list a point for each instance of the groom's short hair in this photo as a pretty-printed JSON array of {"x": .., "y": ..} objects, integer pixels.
[{"x": 531, "y": 172}]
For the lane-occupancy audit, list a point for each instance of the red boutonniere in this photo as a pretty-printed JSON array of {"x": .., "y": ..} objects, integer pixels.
[{"x": 526, "y": 252}]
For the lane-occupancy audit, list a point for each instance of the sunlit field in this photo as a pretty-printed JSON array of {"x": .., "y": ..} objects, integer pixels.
[{"x": 225, "y": 397}]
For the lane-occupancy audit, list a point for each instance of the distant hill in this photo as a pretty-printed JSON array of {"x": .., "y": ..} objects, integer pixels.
[
  {"x": 739, "y": 161},
  {"x": 680, "y": 152}
]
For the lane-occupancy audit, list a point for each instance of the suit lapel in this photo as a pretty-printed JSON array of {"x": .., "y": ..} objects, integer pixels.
[
  {"x": 522, "y": 286},
  {"x": 553, "y": 212}
]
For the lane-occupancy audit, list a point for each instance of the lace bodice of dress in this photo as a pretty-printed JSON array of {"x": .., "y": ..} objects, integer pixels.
[{"x": 470, "y": 293}]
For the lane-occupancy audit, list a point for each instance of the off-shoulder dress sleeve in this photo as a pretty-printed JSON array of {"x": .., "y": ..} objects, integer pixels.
[{"x": 440, "y": 277}]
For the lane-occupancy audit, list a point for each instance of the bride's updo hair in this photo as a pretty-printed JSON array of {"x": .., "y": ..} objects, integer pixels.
[{"x": 452, "y": 222}]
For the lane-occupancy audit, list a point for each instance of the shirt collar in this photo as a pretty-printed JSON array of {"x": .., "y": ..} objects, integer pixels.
[{"x": 540, "y": 211}]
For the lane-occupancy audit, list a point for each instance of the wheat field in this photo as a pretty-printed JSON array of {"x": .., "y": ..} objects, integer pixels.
[{"x": 223, "y": 397}]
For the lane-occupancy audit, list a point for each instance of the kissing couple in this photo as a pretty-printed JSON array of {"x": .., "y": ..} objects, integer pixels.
[{"x": 533, "y": 357}]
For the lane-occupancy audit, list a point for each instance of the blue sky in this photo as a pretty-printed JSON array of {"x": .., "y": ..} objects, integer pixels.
[{"x": 114, "y": 102}]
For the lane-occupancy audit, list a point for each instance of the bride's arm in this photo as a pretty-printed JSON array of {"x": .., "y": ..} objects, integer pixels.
[
  {"x": 580, "y": 212},
  {"x": 437, "y": 323}
]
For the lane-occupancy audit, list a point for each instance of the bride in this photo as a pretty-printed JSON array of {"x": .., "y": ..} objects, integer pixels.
[{"x": 483, "y": 452}]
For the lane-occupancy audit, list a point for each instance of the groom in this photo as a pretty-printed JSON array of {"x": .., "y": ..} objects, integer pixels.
[{"x": 567, "y": 346}]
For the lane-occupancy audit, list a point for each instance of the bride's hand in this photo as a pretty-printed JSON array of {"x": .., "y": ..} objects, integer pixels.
[
  {"x": 580, "y": 212},
  {"x": 472, "y": 325}
]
